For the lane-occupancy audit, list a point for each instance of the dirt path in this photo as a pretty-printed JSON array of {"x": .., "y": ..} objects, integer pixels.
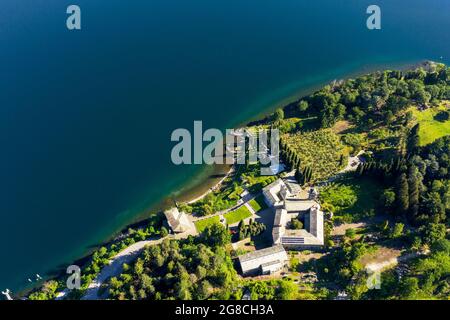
[
  {"x": 340, "y": 229},
  {"x": 386, "y": 258}
]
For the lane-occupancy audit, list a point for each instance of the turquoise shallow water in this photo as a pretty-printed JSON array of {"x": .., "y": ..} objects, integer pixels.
[{"x": 86, "y": 117}]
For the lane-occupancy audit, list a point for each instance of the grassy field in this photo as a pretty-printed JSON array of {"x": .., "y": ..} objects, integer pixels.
[
  {"x": 351, "y": 200},
  {"x": 237, "y": 215},
  {"x": 431, "y": 128},
  {"x": 321, "y": 150},
  {"x": 202, "y": 224},
  {"x": 258, "y": 203}
]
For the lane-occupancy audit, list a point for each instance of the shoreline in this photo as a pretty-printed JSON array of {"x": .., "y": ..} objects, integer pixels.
[
  {"x": 208, "y": 183},
  {"x": 360, "y": 69},
  {"x": 213, "y": 188}
]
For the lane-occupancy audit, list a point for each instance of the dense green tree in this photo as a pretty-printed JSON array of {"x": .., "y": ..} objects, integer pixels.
[
  {"x": 434, "y": 232},
  {"x": 278, "y": 115},
  {"x": 409, "y": 288},
  {"x": 402, "y": 194},
  {"x": 216, "y": 235},
  {"x": 413, "y": 140},
  {"x": 442, "y": 245},
  {"x": 413, "y": 188},
  {"x": 296, "y": 224},
  {"x": 389, "y": 117},
  {"x": 409, "y": 116},
  {"x": 434, "y": 207},
  {"x": 288, "y": 290},
  {"x": 303, "y": 106},
  {"x": 341, "y": 160},
  {"x": 350, "y": 233},
  {"x": 164, "y": 232},
  {"x": 397, "y": 231},
  {"x": 299, "y": 176},
  {"x": 388, "y": 198}
]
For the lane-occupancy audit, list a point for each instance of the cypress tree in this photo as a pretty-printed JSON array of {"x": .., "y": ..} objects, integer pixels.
[
  {"x": 295, "y": 160},
  {"x": 241, "y": 230},
  {"x": 308, "y": 174},
  {"x": 360, "y": 169},
  {"x": 305, "y": 174},
  {"x": 413, "y": 185},
  {"x": 290, "y": 155},
  {"x": 341, "y": 160},
  {"x": 298, "y": 162},
  {"x": 299, "y": 176},
  {"x": 402, "y": 194},
  {"x": 413, "y": 140},
  {"x": 390, "y": 167}
]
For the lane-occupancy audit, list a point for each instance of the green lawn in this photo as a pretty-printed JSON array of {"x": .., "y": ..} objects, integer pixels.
[
  {"x": 431, "y": 129},
  {"x": 237, "y": 215},
  {"x": 258, "y": 203},
  {"x": 351, "y": 199},
  {"x": 202, "y": 224}
]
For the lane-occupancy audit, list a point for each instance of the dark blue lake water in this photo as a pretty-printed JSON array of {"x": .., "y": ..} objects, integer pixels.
[{"x": 86, "y": 116}]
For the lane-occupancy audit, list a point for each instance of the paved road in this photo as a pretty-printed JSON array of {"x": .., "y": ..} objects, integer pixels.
[{"x": 115, "y": 267}]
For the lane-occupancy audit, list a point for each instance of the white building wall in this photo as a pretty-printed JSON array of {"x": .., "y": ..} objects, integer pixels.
[
  {"x": 253, "y": 266},
  {"x": 272, "y": 268}
]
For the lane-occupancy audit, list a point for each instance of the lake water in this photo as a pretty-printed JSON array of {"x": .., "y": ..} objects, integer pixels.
[{"x": 86, "y": 116}]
